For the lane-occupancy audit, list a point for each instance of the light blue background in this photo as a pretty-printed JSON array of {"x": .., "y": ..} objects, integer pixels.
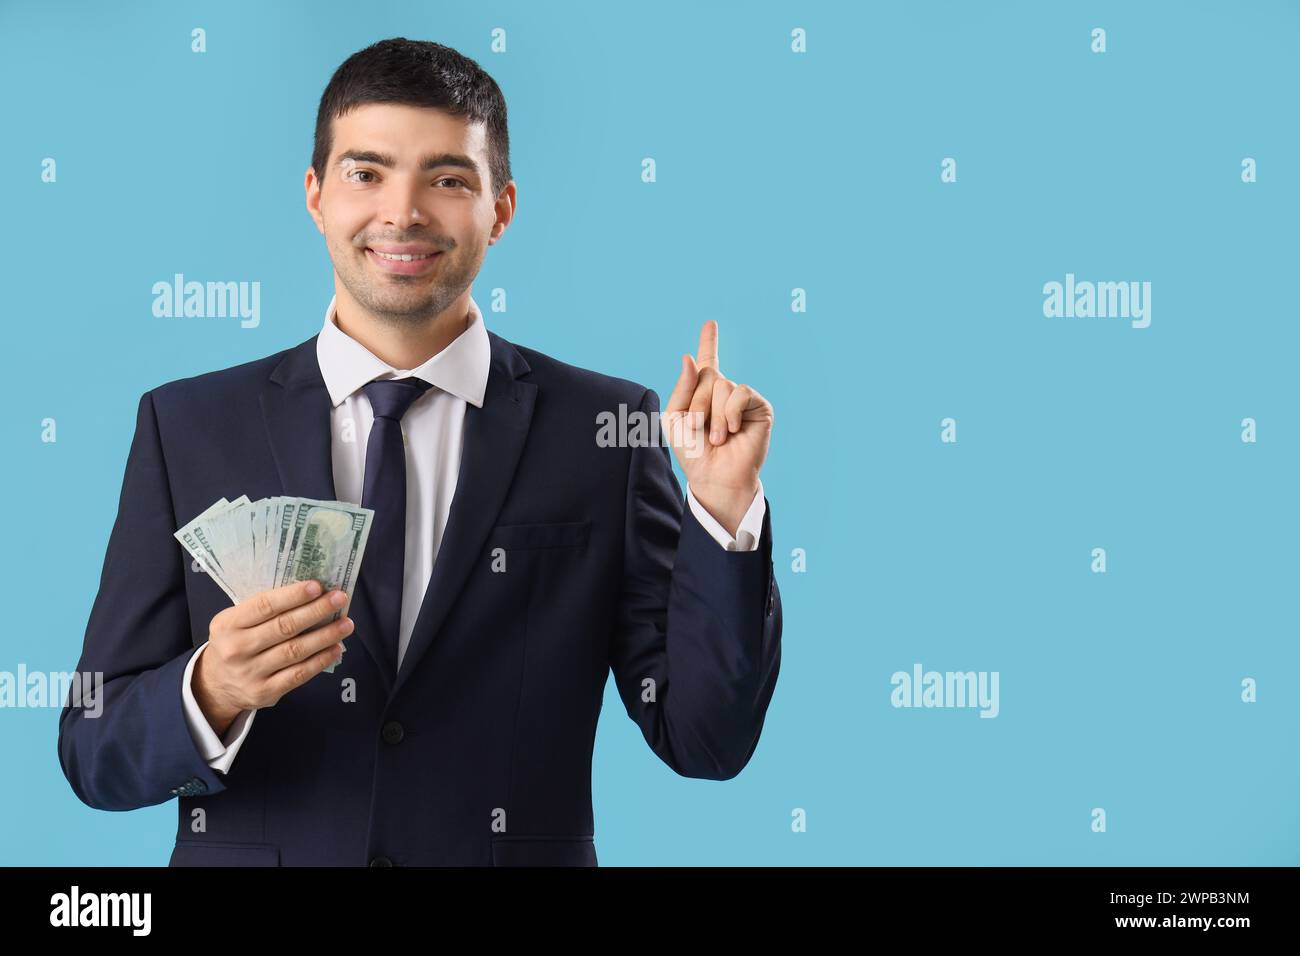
[{"x": 775, "y": 171}]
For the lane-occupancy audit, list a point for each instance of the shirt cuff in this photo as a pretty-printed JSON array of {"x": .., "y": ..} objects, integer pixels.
[
  {"x": 751, "y": 526},
  {"x": 218, "y": 752}
]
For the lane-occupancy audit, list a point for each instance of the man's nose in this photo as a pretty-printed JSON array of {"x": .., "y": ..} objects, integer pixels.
[{"x": 401, "y": 205}]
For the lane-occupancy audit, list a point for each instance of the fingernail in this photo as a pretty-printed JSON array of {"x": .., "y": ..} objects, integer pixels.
[
  {"x": 338, "y": 598},
  {"x": 313, "y": 588}
]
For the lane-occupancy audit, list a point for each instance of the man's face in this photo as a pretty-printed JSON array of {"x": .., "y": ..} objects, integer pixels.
[{"x": 405, "y": 179}]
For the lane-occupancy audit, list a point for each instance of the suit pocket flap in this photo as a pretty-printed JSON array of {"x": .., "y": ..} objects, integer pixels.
[
  {"x": 543, "y": 851},
  {"x": 513, "y": 537},
  {"x": 201, "y": 853}
]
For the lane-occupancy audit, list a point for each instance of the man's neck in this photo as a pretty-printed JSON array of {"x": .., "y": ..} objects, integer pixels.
[{"x": 402, "y": 347}]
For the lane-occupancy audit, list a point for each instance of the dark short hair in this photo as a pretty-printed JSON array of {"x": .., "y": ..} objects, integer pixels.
[{"x": 416, "y": 73}]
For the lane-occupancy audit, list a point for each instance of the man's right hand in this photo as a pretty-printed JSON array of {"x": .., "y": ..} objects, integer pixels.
[{"x": 257, "y": 651}]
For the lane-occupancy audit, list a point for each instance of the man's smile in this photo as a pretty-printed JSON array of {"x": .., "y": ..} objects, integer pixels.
[{"x": 403, "y": 260}]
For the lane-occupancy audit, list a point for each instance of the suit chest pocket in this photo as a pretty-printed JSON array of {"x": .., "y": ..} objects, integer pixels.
[
  {"x": 539, "y": 537},
  {"x": 527, "y": 563}
]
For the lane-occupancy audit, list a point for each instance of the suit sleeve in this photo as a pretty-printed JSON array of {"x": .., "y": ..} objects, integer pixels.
[
  {"x": 135, "y": 749},
  {"x": 697, "y": 644}
]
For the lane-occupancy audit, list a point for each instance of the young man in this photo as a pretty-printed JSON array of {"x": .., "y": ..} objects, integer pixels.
[{"x": 514, "y": 559}]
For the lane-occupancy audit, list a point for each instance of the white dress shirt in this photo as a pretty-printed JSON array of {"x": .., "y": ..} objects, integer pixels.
[{"x": 434, "y": 433}]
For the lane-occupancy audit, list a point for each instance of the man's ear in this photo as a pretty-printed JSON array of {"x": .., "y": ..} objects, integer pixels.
[
  {"x": 505, "y": 206},
  {"x": 312, "y": 187}
]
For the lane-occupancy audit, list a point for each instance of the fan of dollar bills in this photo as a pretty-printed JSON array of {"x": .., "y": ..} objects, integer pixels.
[{"x": 253, "y": 546}]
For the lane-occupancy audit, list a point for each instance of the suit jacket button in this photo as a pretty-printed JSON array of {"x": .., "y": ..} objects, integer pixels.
[
  {"x": 393, "y": 732},
  {"x": 381, "y": 861},
  {"x": 190, "y": 787}
]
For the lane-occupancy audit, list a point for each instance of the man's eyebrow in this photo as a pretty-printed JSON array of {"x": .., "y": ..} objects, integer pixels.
[{"x": 432, "y": 161}]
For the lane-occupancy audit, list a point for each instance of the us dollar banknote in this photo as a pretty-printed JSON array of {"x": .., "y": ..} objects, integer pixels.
[{"x": 251, "y": 546}]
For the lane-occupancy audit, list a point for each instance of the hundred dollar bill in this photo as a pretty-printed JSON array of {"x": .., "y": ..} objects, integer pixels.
[
  {"x": 329, "y": 540},
  {"x": 195, "y": 537},
  {"x": 251, "y": 546}
]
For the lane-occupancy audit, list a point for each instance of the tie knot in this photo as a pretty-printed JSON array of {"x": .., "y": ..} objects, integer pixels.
[{"x": 390, "y": 398}]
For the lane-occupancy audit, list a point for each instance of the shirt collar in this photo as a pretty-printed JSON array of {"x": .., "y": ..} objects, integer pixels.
[{"x": 461, "y": 368}]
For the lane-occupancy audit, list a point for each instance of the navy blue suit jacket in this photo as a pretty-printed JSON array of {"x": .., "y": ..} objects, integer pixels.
[{"x": 478, "y": 751}]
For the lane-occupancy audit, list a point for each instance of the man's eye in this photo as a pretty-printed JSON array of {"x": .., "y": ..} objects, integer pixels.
[{"x": 370, "y": 173}]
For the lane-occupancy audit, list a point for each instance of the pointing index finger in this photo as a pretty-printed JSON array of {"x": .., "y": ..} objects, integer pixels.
[{"x": 708, "y": 352}]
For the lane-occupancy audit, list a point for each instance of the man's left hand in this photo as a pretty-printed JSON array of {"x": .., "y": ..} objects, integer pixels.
[{"x": 719, "y": 431}]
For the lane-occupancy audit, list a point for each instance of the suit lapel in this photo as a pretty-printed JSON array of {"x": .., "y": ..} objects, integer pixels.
[
  {"x": 494, "y": 437},
  {"x": 296, "y": 408}
]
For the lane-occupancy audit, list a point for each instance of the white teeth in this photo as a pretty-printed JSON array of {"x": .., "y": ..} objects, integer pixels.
[{"x": 402, "y": 258}]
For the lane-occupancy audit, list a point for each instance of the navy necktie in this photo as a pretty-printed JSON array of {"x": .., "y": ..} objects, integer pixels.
[{"x": 384, "y": 491}]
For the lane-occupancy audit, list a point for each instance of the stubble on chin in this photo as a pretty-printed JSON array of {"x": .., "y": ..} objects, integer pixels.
[
  {"x": 413, "y": 302},
  {"x": 403, "y": 303}
]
